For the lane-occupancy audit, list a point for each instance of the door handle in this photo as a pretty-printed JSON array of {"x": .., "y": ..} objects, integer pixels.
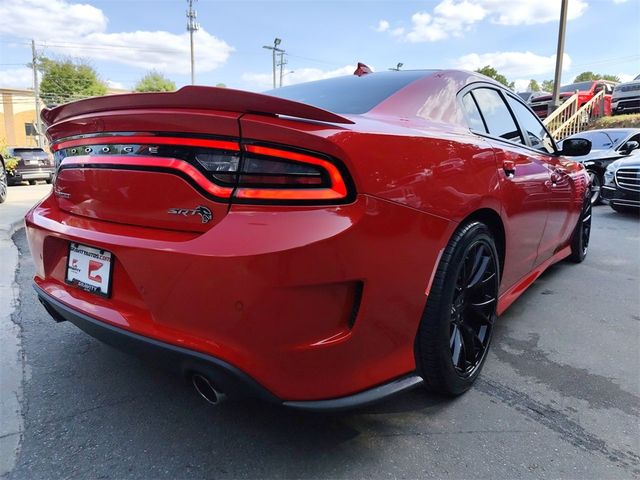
[{"x": 509, "y": 167}]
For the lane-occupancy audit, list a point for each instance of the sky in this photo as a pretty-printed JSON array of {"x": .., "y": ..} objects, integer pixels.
[{"x": 124, "y": 39}]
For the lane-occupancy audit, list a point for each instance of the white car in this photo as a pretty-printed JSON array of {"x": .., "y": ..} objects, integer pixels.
[{"x": 626, "y": 97}]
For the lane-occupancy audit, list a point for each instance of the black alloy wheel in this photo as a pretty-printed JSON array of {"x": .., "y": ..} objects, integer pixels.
[
  {"x": 457, "y": 323},
  {"x": 473, "y": 308},
  {"x": 582, "y": 233}
]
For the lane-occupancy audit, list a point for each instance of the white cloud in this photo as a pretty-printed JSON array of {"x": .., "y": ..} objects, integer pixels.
[
  {"x": 115, "y": 85},
  {"x": 80, "y": 30},
  {"x": 513, "y": 63},
  {"x": 625, "y": 77},
  {"x": 16, "y": 78},
  {"x": 521, "y": 84},
  {"x": 42, "y": 19},
  {"x": 383, "y": 26},
  {"x": 451, "y": 18},
  {"x": 527, "y": 12},
  {"x": 264, "y": 81}
]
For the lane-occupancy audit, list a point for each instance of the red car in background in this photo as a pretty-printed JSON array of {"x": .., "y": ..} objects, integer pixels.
[
  {"x": 586, "y": 91},
  {"x": 322, "y": 246}
]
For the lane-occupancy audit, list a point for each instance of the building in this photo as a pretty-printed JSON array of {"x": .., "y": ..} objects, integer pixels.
[
  {"x": 18, "y": 126},
  {"x": 17, "y": 118}
]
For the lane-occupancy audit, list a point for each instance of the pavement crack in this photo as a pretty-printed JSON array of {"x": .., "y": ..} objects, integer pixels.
[{"x": 568, "y": 429}]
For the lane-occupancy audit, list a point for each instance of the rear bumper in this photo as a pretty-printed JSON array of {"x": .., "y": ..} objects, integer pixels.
[
  {"x": 313, "y": 303},
  {"x": 25, "y": 174},
  {"x": 227, "y": 378}
]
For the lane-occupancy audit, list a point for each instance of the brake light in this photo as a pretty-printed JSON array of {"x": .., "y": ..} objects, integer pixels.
[
  {"x": 274, "y": 174},
  {"x": 247, "y": 173}
]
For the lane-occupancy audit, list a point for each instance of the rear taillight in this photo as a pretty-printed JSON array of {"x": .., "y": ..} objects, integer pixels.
[{"x": 247, "y": 172}]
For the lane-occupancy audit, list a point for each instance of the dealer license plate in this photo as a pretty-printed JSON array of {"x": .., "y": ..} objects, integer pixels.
[{"x": 90, "y": 269}]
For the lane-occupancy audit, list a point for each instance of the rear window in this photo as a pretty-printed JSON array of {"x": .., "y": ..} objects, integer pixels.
[
  {"x": 580, "y": 86},
  {"x": 349, "y": 94},
  {"x": 28, "y": 152}
]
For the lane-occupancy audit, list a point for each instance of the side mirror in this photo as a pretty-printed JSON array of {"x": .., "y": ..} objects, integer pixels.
[
  {"x": 629, "y": 147},
  {"x": 575, "y": 147}
]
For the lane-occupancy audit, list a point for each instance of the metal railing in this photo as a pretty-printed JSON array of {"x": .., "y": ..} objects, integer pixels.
[{"x": 569, "y": 119}]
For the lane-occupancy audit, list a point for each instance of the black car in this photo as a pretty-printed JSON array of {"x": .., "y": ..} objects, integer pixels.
[
  {"x": 608, "y": 145},
  {"x": 622, "y": 184},
  {"x": 33, "y": 164}
]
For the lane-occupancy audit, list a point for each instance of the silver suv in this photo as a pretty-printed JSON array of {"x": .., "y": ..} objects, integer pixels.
[{"x": 626, "y": 97}]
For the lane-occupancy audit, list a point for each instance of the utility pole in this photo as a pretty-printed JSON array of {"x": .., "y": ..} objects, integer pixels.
[
  {"x": 555, "y": 102},
  {"x": 274, "y": 50},
  {"x": 281, "y": 64},
  {"x": 36, "y": 92},
  {"x": 192, "y": 26},
  {"x": 397, "y": 67}
]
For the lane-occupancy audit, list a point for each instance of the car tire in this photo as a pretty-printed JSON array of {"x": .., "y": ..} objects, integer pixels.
[
  {"x": 49, "y": 181},
  {"x": 596, "y": 186},
  {"x": 3, "y": 183},
  {"x": 32, "y": 182},
  {"x": 457, "y": 324},
  {"x": 582, "y": 233}
]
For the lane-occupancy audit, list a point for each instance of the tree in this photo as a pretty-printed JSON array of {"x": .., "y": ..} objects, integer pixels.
[
  {"x": 67, "y": 80},
  {"x": 547, "y": 86},
  {"x": 587, "y": 76},
  {"x": 534, "y": 86},
  {"x": 491, "y": 72},
  {"x": 154, "y": 82}
]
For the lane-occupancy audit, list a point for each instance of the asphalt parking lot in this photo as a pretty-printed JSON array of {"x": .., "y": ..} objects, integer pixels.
[{"x": 559, "y": 398}]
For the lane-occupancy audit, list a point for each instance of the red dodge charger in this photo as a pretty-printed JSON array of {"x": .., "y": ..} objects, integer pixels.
[{"x": 321, "y": 246}]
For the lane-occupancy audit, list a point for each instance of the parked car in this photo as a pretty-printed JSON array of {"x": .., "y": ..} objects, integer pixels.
[
  {"x": 622, "y": 184},
  {"x": 33, "y": 164},
  {"x": 3, "y": 181},
  {"x": 586, "y": 91},
  {"x": 319, "y": 255},
  {"x": 608, "y": 145},
  {"x": 626, "y": 97},
  {"x": 530, "y": 96}
]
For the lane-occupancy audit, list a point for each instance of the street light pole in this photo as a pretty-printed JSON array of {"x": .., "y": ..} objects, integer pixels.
[
  {"x": 274, "y": 50},
  {"x": 555, "y": 102},
  {"x": 192, "y": 26},
  {"x": 36, "y": 92}
]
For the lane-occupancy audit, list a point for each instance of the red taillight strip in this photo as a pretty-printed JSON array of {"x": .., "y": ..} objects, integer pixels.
[
  {"x": 153, "y": 162},
  {"x": 149, "y": 140},
  {"x": 337, "y": 190}
]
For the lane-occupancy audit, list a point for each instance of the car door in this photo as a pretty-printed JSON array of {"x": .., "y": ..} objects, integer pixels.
[
  {"x": 523, "y": 181},
  {"x": 559, "y": 185}
]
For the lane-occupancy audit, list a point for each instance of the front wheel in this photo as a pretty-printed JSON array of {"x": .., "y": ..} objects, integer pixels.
[
  {"x": 457, "y": 324},
  {"x": 596, "y": 186}
]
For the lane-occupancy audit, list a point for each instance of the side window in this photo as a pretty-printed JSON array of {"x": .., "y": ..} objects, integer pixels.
[
  {"x": 496, "y": 115},
  {"x": 472, "y": 114},
  {"x": 531, "y": 126}
]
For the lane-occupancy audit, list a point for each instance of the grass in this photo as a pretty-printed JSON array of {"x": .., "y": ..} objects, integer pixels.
[{"x": 630, "y": 120}]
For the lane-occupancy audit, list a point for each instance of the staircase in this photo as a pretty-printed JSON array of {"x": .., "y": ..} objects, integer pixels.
[{"x": 569, "y": 118}]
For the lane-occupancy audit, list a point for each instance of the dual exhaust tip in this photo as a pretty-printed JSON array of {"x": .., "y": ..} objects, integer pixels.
[{"x": 207, "y": 390}]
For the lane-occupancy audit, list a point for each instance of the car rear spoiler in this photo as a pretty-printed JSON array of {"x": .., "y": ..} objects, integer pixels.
[{"x": 196, "y": 97}]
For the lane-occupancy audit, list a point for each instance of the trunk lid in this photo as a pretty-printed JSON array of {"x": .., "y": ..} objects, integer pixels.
[{"x": 157, "y": 160}]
